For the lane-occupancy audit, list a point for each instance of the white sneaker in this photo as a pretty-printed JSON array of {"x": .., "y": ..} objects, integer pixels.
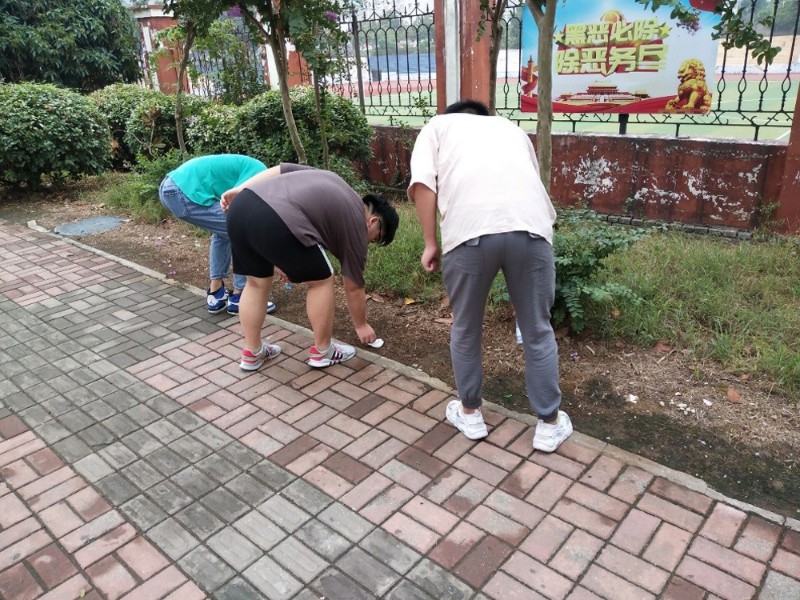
[
  {"x": 336, "y": 353},
  {"x": 549, "y": 437},
  {"x": 253, "y": 360},
  {"x": 471, "y": 426}
]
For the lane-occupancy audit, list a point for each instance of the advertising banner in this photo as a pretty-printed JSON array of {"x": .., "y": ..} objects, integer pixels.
[{"x": 615, "y": 56}]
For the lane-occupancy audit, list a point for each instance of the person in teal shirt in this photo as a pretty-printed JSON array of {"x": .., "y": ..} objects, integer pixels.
[{"x": 192, "y": 193}]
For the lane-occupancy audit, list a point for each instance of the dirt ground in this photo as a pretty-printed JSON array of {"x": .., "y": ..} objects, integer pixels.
[{"x": 735, "y": 432}]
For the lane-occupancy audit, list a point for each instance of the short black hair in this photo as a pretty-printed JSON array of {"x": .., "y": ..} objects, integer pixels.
[
  {"x": 380, "y": 207},
  {"x": 470, "y": 107}
]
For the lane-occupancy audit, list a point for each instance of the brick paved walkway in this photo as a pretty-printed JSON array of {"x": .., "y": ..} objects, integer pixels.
[{"x": 138, "y": 461}]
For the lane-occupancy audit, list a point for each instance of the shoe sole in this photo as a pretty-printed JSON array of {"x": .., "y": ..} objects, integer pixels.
[{"x": 215, "y": 312}]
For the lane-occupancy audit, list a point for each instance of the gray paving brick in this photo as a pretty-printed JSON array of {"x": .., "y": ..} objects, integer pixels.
[
  {"x": 234, "y": 548},
  {"x": 777, "y": 587},
  {"x": 167, "y": 461},
  {"x": 437, "y": 582},
  {"x": 405, "y": 590},
  {"x": 34, "y": 416},
  {"x": 142, "y": 474},
  {"x": 99, "y": 409},
  {"x": 366, "y": 570},
  {"x": 172, "y": 538},
  {"x": 260, "y": 530},
  {"x": 212, "y": 437},
  {"x": 142, "y": 392},
  {"x": 169, "y": 497},
  {"x": 80, "y": 396},
  {"x": 121, "y": 379},
  {"x": 42, "y": 391},
  {"x": 164, "y": 431},
  {"x": 189, "y": 448},
  {"x": 225, "y": 504},
  {"x": 285, "y": 514},
  {"x": 51, "y": 432},
  {"x": 62, "y": 383},
  {"x": 199, "y": 520},
  {"x": 72, "y": 449},
  {"x": 102, "y": 388},
  {"x": 84, "y": 376},
  {"x": 19, "y": 401},
  {"x": 92, "y": 467},
  {"x": 272, "y": 475},
  {"x": 299, "y": 559},
  {"x": 103, "y": 368},
  {"x": 25, "y": 380},
  {"x": 186, "y": 420},
  {"x": 347, "y": 522},
  {"x": 118, "y": 455},
  {"x": 75, "y": 420},
  {"x": 7, "y": 388},
  {"x": 120, "y": 400},
  {"x": 335, "y": 584},
  {"x": 272, "y": 580},
  {"x": 306, "y": 496},
  {"x": 55, "y": 406},
  {"x": 240, "y": 455},
  {"x": 97, "y": 436},
  {"x": 116, "y": 489},
  {"x": 218, "y": 468},
  {"x": 249, "y": 489},
  {"x": 120, "y": 425},
  {"x": 390, "y": 551},
  {"x": 143, "y": 512},
  {"x": 323, "y": 540},
  {"x": 194, "y": 482},
  {"x": 239, "y": 589},
  {"x": 143, "y": 415},
  {"x": 141, "y": 442}
]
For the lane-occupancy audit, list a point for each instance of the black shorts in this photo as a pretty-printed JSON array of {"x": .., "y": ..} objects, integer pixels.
[{"x": 261, "y": 241}]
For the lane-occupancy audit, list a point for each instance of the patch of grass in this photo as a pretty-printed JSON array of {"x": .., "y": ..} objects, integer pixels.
[
  {"x": 396, "y": 269},
  {"x": 735, "y": 302}
]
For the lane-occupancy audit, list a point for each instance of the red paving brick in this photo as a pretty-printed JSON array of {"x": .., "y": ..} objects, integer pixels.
[{"x": 510, "y": 523}]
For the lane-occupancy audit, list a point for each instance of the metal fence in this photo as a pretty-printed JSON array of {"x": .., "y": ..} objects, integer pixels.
[{"x": 390, "y": 71}]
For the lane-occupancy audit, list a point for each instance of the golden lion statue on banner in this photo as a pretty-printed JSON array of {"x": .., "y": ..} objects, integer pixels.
[{"x": 693, "y": 94}]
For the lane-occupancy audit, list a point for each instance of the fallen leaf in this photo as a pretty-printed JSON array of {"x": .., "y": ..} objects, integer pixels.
[
  {"x": 562, "y": 333},
  {"x": 744, "y": 377},
  {"x": 662, "y": 347},
  {"x": 444, "y": 303},
  {"x": 408, "y": 301},
  {"x": 733, "y": 396},
  {"x": 444, "y": 321},
  {"x": 378, "y": 299}
]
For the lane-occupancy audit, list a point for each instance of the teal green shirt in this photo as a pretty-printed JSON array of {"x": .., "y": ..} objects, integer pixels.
[{"x": 204, "y": 179}]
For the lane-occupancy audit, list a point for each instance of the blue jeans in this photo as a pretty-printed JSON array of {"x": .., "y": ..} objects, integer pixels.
[{"x": 212, "y": 219}]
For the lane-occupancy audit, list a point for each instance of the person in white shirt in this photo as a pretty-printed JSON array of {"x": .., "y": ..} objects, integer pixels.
[{"x": 481, "y": 173}]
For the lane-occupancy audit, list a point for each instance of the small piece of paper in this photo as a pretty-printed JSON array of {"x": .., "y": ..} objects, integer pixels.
[{"x": 377, "y": 343}]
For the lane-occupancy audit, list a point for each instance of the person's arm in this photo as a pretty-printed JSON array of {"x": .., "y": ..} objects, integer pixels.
[
  {"x": 357, "y": 305},
  {"x": 228, "y": 196},
  {"x": 424, "y": 199}
]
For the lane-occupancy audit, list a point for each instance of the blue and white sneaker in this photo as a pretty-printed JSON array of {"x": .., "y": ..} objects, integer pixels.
[
  {"x": 233, "y": 305},
  {"x": 217, "y": 301}
]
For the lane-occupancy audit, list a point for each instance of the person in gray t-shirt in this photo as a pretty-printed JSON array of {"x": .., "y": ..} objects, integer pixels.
[{"x": 286, "y": 218}]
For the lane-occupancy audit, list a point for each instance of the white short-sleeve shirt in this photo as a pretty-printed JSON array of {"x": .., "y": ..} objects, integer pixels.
[{"x": 486, "y": 177}]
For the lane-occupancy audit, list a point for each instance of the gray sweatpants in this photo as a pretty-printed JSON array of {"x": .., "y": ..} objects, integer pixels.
[{"x": 529, "y": 269}]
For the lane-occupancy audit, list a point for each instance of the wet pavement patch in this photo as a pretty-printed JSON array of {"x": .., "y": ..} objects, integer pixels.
[{"x": 89, "y": 226}]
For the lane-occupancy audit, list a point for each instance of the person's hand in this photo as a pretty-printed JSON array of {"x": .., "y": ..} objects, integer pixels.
[
  {"x": 366, "y": 334},
  {"x": 227, "y": 198},
  {"x": 430, "y": 258}
]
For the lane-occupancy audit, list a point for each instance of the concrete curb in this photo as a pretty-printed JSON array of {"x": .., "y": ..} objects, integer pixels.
[{"x": 647, "y": 465}]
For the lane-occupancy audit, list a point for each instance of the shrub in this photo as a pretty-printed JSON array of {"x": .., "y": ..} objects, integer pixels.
[
  {"x": 48, "y": 131},
  {"x": 213, "y": 130},
  {"x": 117, "y": 102},
  {"x": 264, "y": 135},
  {"x": 581, "y": 246},
  {"x": 150, "y": 129}
]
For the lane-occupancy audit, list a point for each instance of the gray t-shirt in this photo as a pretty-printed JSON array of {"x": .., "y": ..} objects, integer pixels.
[{"x": 318, "y": 207}]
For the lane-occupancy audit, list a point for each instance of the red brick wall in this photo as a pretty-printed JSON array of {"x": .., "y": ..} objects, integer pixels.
[{"x": 719, "y": 183}]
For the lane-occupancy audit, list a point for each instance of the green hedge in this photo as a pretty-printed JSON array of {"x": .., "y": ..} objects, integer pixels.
[
  {"x": 150, "y": 129},
  {"x": 47, "y": 131}
]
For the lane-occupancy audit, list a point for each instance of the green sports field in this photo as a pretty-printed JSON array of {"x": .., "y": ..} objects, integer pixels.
[{"x": 768, "y": 105}]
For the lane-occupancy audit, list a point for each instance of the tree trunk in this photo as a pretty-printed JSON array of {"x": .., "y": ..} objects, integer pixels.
[
  {"x": 494, "y": 51},
  {"x": 544, "y": 13},
  {"x": 276, "y": 39},
  {"x": 321, "y": 120},
  {"x": 191, "y": 33}
]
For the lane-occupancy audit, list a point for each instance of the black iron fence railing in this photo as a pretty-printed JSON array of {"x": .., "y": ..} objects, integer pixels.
[{"x": 389, "y": 70}]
